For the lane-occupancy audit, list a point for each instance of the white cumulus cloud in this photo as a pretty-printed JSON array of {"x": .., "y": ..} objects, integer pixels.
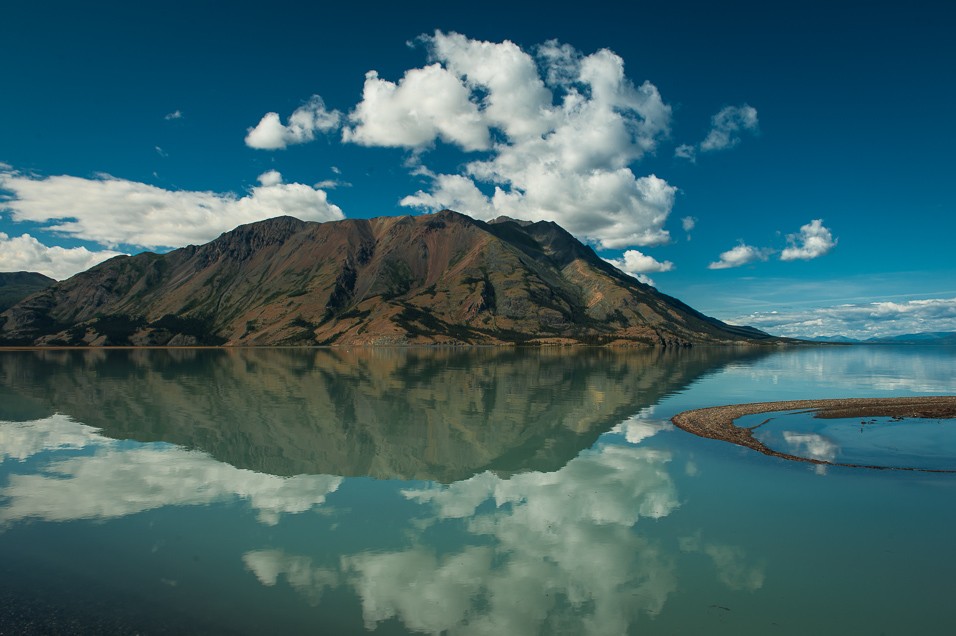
[
  {"x": 427, "y": 104},
  {"x": 564, "y": 159},
  {"x": 635, "y": 262},
  {"x": 114, "y": 212},
  {"x": 26, "y": 253},
  {"x": 813, "y": 241},
  {"x": 270, "y": 178},
  {"x": 305, "y": 121},
  {"x": 555, "y": 134},
  {"x": 743, "y": 254}
]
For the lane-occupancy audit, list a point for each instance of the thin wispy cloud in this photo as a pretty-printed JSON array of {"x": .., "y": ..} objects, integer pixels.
[
  {"x": 727, "y": 126},
  {"x": 726, "y": 130},
  {"x": 858, "y": 320},
  {"x": 176, "y": 114},
  {"x": 688, "y": 223}
]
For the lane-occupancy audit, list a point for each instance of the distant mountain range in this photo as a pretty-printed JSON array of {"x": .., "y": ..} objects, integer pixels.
[
  {"x": 929, "y": 337},
  {"x": 443, "y": 278}
]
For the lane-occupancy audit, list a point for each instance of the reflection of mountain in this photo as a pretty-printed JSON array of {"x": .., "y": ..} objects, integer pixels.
[{"x": 428, "y": 414}]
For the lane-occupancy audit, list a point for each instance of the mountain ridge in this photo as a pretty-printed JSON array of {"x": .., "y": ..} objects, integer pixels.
[
  {"x": 443, "y": 278},
  {"x": 15, "y": 286},
  {"x": 922, "y": 337}
]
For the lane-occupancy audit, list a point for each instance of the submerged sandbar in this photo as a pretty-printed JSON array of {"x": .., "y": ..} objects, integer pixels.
[{"x": 717, "y": 422}]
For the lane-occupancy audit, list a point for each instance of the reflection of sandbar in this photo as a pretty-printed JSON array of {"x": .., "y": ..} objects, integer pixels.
[{"x": 718, "y": 422}]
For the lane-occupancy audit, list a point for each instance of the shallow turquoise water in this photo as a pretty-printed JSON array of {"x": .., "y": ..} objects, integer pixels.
[{"x": 460, "y": 491}]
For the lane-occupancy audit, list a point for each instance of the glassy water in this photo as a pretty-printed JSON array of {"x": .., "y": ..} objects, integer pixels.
[{"x": 475, "y": 491}]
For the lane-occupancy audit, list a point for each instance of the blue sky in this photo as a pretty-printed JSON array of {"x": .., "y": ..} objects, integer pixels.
[{"x": 806, "y": 146}]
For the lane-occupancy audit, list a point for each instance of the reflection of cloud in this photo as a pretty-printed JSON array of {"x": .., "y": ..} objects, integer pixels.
[
  {"x": 732, "y": 569},
  {"x": 114, "y": 479},
  {"x": 810, "y": 445},
  {"x": 20, "y": 440},
  {"x": 560, "y": 539},
  {"x": 730, "y": 563},
  {"x": 311, "y": 581},
  {"x": 552, "y": 553},
  {"x": 863, "y": 370},
  {"x": 640, "y": 427},
  {"x": 813, "y": 446},
  {"x": 426, "y": 593}
]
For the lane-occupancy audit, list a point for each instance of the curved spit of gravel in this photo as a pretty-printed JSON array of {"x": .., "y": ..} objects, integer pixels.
[{"x": 718, "y": 422}]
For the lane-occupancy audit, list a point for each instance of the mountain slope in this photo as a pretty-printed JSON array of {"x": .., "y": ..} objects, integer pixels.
[
  {"x": 15, "y": 286},
  {"x": 442, "y": 278}
]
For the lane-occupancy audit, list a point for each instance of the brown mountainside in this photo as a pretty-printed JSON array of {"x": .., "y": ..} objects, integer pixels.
[{"x": 432, "y": 279}]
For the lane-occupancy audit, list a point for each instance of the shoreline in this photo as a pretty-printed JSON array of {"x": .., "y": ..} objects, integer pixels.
[{"x": 717, "y": 422}]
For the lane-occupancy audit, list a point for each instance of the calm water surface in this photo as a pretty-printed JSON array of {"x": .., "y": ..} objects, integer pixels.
[{"x": 464, "y": 492}]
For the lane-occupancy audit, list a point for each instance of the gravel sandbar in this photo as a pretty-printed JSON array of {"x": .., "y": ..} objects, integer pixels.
[{"x": 717, "y": 422}]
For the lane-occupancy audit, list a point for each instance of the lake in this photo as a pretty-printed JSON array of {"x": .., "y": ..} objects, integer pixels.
[{"x": 465, "y": 491}]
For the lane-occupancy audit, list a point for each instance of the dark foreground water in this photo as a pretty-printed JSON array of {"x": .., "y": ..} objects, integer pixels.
[{"x": 465, "y": 492}]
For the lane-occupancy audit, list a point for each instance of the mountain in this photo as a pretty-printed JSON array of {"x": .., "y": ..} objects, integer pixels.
[
  {"x": 433, "y": 279},
  {"x": 927, "y": 338},
  {"x": 15, "y": 286},
  {"x": 834, "y": 339}
]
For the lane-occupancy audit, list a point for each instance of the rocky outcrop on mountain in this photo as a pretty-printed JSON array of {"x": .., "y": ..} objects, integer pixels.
[
  {"x": 431, "y": 279},
  {"x": 15, "y": 286}
]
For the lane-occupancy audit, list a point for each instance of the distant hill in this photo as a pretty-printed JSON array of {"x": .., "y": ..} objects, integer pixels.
[
  {"x": 15, "y": 286},
  {"x": 432, "y": 279},
  {"x": 935, "y": 337},
  {"x": 929, "y": 337},
  {"x": 836, "y": 339}
]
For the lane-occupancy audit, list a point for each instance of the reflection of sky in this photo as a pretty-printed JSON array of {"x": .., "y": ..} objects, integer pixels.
[
  {"x": 542, "y": 552},
  {"x": 551, "y": 552},
  {"x": 112, "y": 479},
  {"x": 817, "y": 372}
]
